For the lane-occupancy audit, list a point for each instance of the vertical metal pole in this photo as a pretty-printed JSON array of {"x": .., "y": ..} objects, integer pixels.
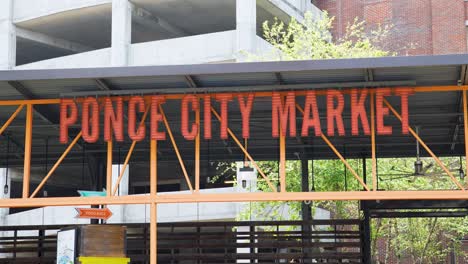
[
  {"x": 153, "y": 192},
  {"x": 109, "y": 169},
  {"x": 282, "y": 171},
  {"x": 153, "y": 234},
  {"x": 374, "y": 160},
  {"x": 367, "y": 258},
  {"x": 465, "y": 117},
  {"x": 27, "y": 150},
  {"x": 197, "y": 152}
]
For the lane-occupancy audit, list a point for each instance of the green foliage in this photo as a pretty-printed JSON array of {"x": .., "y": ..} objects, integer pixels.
[
  {"x": 423, "y": 240},
  {"x": 311, "y": 39}
]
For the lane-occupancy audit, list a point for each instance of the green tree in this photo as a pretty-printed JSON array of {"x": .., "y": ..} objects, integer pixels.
[
  {"x": 311, "y": 39},
  {"x": 423, "y": 240}
]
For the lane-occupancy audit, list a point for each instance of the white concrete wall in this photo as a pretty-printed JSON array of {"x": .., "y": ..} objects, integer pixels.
[
  {"x": 203, "y": 48},
  {"x": 95, "y": 58},
  {"x": 30, "y": 9}
]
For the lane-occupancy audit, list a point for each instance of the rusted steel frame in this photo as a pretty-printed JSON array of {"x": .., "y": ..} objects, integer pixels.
[
  {"x": 12, "y": 117},
  {"x": 374, "y": 159},
  {"x": 246, "y": 153},
  {"x": 174, "y": 144},
  {"x": 338, "y": 154},
  {"x": 27, "y": 150},
  {"x": 57, "y": 163},
  {"x": 465, "y": 118},
  {"x": 437, "y": 160},
  {"x": 235, "y": 197},
  {"x": 197, "y": 151},
  {"x": 129, "y": 154}
]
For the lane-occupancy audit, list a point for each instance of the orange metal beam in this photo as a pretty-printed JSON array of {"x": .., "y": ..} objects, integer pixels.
[
  {"x": 109, "y": 168},
  {"x": 31, "y": 102},
  {"x": 437, "y": 160},
  {"x": 338, "y": 154},
  {"x": 465, "y": 118},
  {"x": 236, "y": 197},
  {"x": 282, "y": 169},
  {"x": 12, "y": 117},
  {"x": 27, "y": 150},
  {"x": 439, "y": 88},
  {"x": 374, "y": 159},
  {"x": 59, "y": 161},
  {"x": 129, "y": 154},
  {"x": 154, "y": 208},
  {"x": 197, "y": 151},
  {"x": 153, "y": 234},
  {"x": 272, "y": 187},
  {"x": 174, "y": 144}
]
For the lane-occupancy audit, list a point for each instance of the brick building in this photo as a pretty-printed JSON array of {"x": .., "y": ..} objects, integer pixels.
[{"x": 419, "y": 27}]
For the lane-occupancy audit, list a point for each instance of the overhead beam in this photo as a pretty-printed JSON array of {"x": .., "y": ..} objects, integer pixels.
[
  {"x": 51, "y": 41},
  {"x": 145, "y": 18}
]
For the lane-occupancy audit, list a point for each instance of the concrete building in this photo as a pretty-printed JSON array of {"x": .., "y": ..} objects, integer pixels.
[{"x": 47, "y": 34}]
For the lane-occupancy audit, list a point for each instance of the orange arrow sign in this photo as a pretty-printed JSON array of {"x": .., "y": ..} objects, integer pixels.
[{"x": 94, "y": 213}]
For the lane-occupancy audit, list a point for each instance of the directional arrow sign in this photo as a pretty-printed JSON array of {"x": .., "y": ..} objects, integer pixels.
[{"x": 93, "y": 213}]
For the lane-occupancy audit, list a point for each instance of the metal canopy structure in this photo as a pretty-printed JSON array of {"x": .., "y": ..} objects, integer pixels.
[
  {"x": 30, "y": 110},
  {"x": 438, "y": 114}
]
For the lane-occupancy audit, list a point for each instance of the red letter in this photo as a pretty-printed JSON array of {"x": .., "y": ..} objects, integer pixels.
[
  {"x": 381, "y": 111},
  {"x": 93, "y": 136},
  {"x": 307, "y": 122},
  {"x": 193, "y": 100},
  {"x": 156, "y": 117},
  {"x": 224, "y": 100},
  {"x": 207, "y": 116},
  {"x": 282, "y": 112},
  {"x": 114, "y": 119},
  {"x": 335, "y": 113},
  {"x": 246, "y": 109},
  {"x": 66, "y": 120},
  {"x": 404, "y": 93},
  {"x": 358, "y": 110},
  {"x": 139, "y": 134}
]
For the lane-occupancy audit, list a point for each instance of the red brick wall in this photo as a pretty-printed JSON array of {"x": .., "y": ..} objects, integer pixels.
[{"x": 419, "y": 26}]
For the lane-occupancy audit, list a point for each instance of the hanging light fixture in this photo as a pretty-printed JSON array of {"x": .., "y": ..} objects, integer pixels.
[{"x": 6, "y": 189}]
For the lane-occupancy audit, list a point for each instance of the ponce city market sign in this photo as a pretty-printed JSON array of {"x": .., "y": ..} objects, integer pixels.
[{"x": 283, "y": 114}]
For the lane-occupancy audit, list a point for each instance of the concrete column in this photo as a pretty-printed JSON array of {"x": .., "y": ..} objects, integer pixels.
[
  {"x": 121, "y": 31},
  {"x": 7, "y": 36},
  {"x": 246, "y": 27},
  {"x": 118, "y": 211}
]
